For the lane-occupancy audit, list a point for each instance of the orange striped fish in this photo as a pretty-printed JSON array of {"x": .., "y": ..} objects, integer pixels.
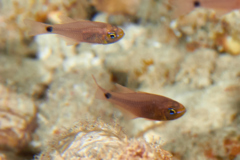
[
  {"x": 141, "y": 104},
  {"x": 183, "y": 7},
  {"x": 79, "y": 31}
]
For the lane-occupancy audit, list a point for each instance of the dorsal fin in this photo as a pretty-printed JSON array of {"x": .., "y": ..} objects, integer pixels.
[
  {"x": 121, "y": 89},
  {"x": 64, "y": 19},
  {"x": 103, "y": 95}
]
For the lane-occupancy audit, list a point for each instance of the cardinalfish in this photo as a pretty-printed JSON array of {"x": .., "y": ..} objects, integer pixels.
[
  {"x": 141, "y": 104},
  {"x": 221, "y": 7},
  {"x": 78, "y": 31}
]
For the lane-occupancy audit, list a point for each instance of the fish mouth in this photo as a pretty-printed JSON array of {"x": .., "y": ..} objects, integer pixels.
[
  {"x": 120, "y": 33},
  {"x": 181, "y": 111}
]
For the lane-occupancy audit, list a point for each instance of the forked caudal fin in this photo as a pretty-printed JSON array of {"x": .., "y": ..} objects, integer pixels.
[{"x": 36, "y": 28}]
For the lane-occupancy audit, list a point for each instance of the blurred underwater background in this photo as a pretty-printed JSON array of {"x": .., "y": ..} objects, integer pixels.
[{"x": 48, "y": 108}]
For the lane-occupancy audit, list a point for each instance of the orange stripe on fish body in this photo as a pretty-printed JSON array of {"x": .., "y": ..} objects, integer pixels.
[
  {"x": 79, "y": 31},
  {"x": 140, "y": 104},
  {"x": 183, "y": 7}
]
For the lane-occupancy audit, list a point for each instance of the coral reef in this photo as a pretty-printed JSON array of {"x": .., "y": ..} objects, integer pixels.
[
  {"x": 24, "y": 75},
  {"x": 208, "y": 31},
  {"x": 197, "y": 68},
  {"x": 72, "y": 80},
  {"x": 98, "y": 140},
  {"x": 158, "y": 68},
  {"x": 17, "y": 119},
  {"x": 193, "y": 59}
]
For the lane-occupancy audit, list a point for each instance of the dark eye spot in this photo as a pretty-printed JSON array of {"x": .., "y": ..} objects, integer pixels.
[
  {"x": 196, "y": 4},
  {"x": 172, "y": 111},
  {"x": 112, "y": 35},
  {"x": 49, "y": 29},
  {"x": 108, "y": 95}
]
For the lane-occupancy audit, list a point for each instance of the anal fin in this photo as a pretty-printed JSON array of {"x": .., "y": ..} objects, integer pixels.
[{"x": 126, "y": 113}]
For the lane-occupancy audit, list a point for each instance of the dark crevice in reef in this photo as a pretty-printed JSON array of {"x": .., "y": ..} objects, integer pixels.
[
  {"x": 122, "y": 78},
  {"x": 42, "y": 94},
  {"x": 119, "y": 77}
]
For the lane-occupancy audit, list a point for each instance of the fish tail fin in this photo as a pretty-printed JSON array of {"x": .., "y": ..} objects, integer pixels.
[
  {"x": 35, "y": 28},
  {"x": 100, "y": 93}
]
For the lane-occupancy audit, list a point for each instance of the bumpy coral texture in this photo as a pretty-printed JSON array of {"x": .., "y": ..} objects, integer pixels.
[
  {"x": 98, "y": 140},
  {"x": 202, "y": 28},
  {"x": 183, "y": 59},
  {"x": 17, "y": 119}
]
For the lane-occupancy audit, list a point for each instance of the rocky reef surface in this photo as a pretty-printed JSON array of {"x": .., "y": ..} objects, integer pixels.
[{"x": 47, "y": 104}]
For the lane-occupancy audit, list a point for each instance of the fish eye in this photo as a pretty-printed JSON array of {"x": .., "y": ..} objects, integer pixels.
[
  {"x": 49, "y": 28},
  {"x": 112, "y": 35},
  {"x": 196, "y": 4},
  {"x": 172, "y": 111}
]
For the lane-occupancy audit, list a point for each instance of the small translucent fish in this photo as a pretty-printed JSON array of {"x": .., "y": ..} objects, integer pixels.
[
  {"x": 141, "y": 104},
  {"x": 78, "y": 31},
  {"x": 221, "y": 7}
]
